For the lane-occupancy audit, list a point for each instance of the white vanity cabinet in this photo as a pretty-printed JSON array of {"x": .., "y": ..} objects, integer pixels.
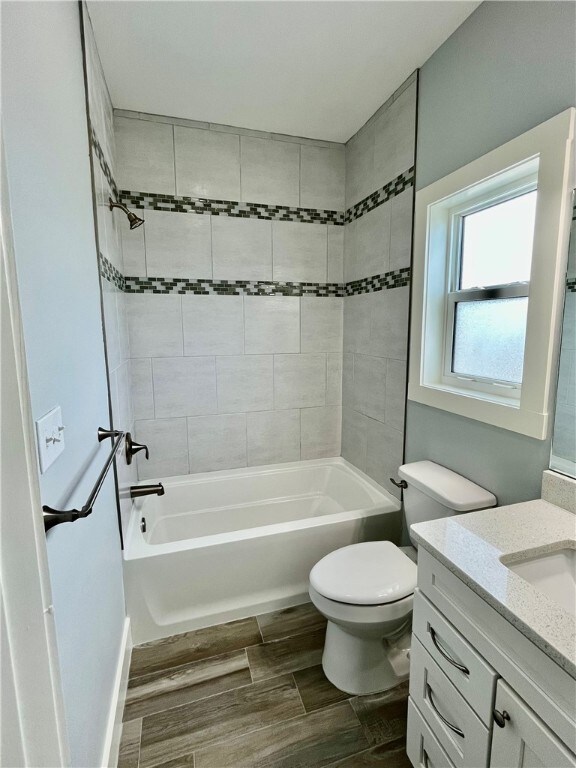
[
  {"x": 524, "y": 741},
  {"x": 481, "y": 693}
]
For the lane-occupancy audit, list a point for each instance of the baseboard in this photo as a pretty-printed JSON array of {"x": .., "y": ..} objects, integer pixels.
[{"x": 114, "y": 726}]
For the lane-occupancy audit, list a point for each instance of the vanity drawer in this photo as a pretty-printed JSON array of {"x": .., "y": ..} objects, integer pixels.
[
  {"x": 462, "y": 735},
  {"x": 422, "y": 746},
  {"x": 472, "y": 676}
]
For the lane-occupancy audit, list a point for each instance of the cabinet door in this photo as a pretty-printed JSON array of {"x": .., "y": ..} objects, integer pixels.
[{"x": 524, "y": 741}]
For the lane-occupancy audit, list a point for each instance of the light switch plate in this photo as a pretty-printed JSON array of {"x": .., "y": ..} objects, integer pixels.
[{"x": 50, "y": 436}]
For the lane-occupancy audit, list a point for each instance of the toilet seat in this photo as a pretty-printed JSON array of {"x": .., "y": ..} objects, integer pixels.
[{"x": 368, "y": 574}]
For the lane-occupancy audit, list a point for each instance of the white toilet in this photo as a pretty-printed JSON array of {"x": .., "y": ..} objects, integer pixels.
[{"x": 366, "y": 590}]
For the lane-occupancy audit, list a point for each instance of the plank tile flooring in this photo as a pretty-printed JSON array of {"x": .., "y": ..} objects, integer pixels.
[{"x": 252, "y": 694}]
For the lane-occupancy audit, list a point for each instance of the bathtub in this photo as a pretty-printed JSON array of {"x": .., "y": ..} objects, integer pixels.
[{"x": 225, "y": 545}]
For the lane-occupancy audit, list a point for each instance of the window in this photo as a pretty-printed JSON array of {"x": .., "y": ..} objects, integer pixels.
[
  {"x": 487, "y": 298},
  {"x": 489, "y": 258}
]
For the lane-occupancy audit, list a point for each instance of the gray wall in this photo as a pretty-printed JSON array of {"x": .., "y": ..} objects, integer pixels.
[
  {"x": 509, "y": 67},
  {"x": 46, "y": 142}
]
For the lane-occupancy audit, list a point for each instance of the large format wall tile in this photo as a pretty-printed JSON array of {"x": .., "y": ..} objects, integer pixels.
[
  {"x": 177, "y": 245},
  {"x": 245, "y": 383},
  {"x": 336, "y": 254},
  {"x": 360, "y": 165},
  {"x": 384, "y": 454},
  {"x": 299, "y": 381},
  {"x": 271, "y": 324},
  {"x": 217, "y": 442},
  {"x": 370, "y": 386},
  {"x": 389, "y": 323},
  {"x": 154, "y": 325},
  {"x": 322, "y": 171},
  {"x": 321, "y": 432},
  {"x": 141, "y": 388},
  {"x": 321, "y": 321},
  {"x": 273, "y": 437},
  {"x": 213, "y": 325},
  {"x": 300, "y": 251},
  {"x": 394, "y": 137},
  {"x": 184, "y": 386},
  {"x": 241, "y": 249},
  {"x": 145, "y": 153},
  {"x": 270, "y": 171},
  {"x": 167, "y": 441},
  {"x": 207, "y": 163}
]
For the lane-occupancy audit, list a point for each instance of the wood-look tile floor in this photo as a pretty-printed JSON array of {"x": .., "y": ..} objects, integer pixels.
[{"x": 252, "y": 694}]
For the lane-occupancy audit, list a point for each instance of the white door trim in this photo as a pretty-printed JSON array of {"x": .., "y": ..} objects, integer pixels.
[{"x": 28, "y": 631}]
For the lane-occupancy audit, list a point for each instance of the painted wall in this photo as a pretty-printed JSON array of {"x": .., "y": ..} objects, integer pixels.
[
  {"x": 46, "y": 142},
  {"x": 509, "y": 67},
  {"x": 377, "y": 242},
  {"x": 222, "y": 381}
]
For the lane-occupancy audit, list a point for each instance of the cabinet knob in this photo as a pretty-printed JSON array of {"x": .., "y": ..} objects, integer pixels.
[{"x": 500, "y": 718}]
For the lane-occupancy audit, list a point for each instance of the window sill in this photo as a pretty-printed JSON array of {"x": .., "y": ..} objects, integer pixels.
[{"x": 503, "y": 412}]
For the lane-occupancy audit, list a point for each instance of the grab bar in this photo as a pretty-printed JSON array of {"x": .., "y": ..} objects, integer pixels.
[{"x": 54, "y": 517}]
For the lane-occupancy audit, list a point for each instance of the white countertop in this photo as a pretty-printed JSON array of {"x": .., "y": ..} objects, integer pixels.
[{"x": 471, "y": 546}]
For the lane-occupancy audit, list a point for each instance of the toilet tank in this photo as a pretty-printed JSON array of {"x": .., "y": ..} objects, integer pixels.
[{"x": 434, "y": 491}]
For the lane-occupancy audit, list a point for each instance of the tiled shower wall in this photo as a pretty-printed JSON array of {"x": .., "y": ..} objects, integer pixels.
[
  {"x": 226, "y": 374},
  {"x": 110, "y": 225},
  {"x": 376, "y": 323}
]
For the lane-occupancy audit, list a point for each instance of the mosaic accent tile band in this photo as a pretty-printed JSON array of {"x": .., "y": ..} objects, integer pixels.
[
  {"x": 207, "y": 287},
  {"x": 395, "y": 187},
  {"x": 178, "y": 204},
  {"x": 110, "y": 273},
  {"x": 571, "y": 284},
  {"x": 102, "y": 160},
  {"x": 397, "y": 278}
]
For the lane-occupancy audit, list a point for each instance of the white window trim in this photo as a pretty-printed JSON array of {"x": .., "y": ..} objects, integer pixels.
[{"x": 549, "y": 148}]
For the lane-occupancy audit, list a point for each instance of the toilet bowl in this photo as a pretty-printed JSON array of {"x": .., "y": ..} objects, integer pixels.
[
  {"x": 366, "y": 593},
  {"x": 366, "y": 590}
]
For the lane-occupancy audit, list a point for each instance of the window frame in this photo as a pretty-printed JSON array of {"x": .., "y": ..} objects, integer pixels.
[
  {"x": 546, "y": 150},
  {"x": 519, "y": 289}
]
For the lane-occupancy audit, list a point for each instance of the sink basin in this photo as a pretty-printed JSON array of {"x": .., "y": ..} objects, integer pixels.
[{"x": 554, "y": 574}]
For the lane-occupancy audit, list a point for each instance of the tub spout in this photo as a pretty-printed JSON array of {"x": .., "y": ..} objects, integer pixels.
[{"x": 136, "y": 491}]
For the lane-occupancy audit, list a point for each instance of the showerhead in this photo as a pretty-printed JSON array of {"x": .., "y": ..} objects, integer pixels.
[{"x": 135, "y": 221}]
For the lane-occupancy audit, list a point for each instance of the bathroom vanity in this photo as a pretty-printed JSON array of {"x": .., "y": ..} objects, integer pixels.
[{"x": 493, "y": 657}]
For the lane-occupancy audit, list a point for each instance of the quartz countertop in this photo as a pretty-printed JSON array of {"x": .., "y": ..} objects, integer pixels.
[{"x": 473, "y": 546}]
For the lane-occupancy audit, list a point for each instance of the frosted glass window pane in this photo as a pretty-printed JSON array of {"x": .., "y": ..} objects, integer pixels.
[
  {"x": 489, "y": 338},
  {"x": 497, "y": 243}
]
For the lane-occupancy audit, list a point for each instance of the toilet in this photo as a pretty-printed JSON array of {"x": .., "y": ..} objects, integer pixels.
[{"x": 366, "y": 590}]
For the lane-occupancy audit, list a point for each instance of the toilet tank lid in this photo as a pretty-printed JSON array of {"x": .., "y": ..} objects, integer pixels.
[{"x": 447, "y": 487}]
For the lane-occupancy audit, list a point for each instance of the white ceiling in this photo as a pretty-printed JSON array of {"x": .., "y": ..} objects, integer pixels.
[{"x": 315, "y": 69}]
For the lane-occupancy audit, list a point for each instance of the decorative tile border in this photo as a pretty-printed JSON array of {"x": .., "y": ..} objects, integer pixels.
[
  {"x": 103, "y": 163},
  {"x": 395, "y": 187},
  {"x": 178, "y": 204},
  {"x": 571, "y": 284},
  {"x": 397, "y": 278},
  {"x": 207, "y": 287},
  {"x": 110, "y": 273}
]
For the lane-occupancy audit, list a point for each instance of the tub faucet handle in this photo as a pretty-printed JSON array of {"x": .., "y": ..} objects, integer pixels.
[{"x": 133, "y": 448}]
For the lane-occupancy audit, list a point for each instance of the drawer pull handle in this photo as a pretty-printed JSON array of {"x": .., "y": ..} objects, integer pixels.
[
  {"x": 443, "y": 653},
  {"x": 446, "y": 722},
  {"x": 500, "y": 718}
]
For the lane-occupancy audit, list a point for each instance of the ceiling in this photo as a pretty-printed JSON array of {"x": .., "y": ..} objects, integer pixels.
[{"x": 314, "y": 69}]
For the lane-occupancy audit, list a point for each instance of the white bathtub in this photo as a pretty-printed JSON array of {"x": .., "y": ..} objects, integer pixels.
[{"x": 225, "y": 545}]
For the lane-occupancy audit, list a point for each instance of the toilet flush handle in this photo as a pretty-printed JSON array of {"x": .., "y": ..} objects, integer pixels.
[{"x": 402, "y": 484}]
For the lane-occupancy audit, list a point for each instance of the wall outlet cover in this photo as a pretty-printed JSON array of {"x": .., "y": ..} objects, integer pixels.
[{"x": 50, "y": 437}]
